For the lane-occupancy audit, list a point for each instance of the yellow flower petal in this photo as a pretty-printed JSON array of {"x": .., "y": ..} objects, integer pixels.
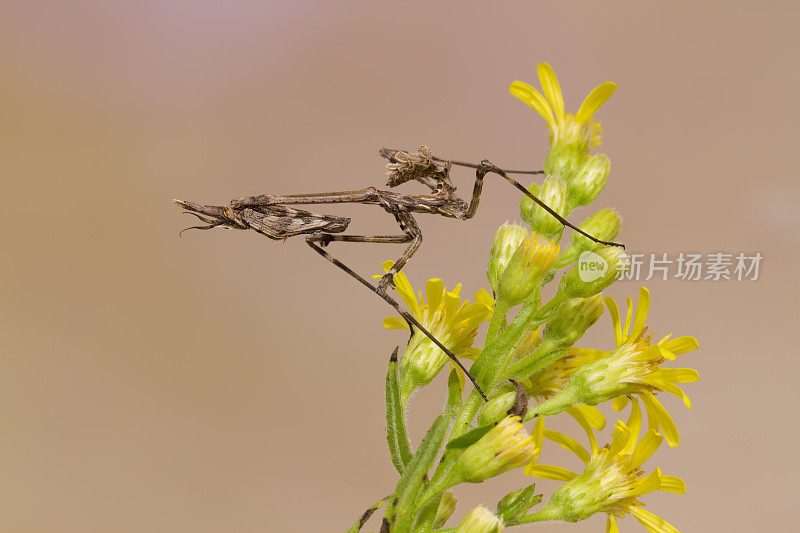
[
  {"x": 679, "y": 375},
  {"x": 673, "y": 484},
  {"x": 434, "y": 289},
  {"x": 651, "y": 522},
  {"x": 404, "y": 289},
  {"x": 613, "y": 310},
  {"x": 395, "y": 322},
  {"x": 626, "y": 327},
  {"x": 681, "y": 345},
  {"x": 619, "y": 403},
  {"x": 483, "y": 297},
  {"x": 551, "y": 88},
  {"x": 663, "y": 352},
  {"x": 471, "y": 315},
  {"x": 619, "y": 439},
  {"x": 611, "y": 525},
  {"x": 534, "y": 99},
  {"x": 646, "y": 447},
  {"x": 666, "y": 386},
  {"x": 457, "y": 289},
  {"x": 594, "y": 100},
  {"x": 538, "y": 435},
  {"x": 634, "y": 425},
  {"x": 648, "y": 484},
  {"x": 568, "y": 443},
  {"x": 549, "y": 472},
  {"x": 452, "y": 303},
  {"x": 587, "y": 417},
  {"x": 658, "y": 417},
  {"x": 591, "y": 414},
  {"x": 642, "y": 308}
]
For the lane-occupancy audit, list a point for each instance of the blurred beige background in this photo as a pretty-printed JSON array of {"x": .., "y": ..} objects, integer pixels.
[{"x": 223, "y": 382}]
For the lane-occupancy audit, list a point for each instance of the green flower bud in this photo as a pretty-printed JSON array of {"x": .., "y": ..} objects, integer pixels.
[
  {"x": 531, "y": 261},
  {"x": 603, "y": 225},
  {"x": 553, "y": 192},
  {"x": 526, "y": 205},
  {"x": 504, "y": 447},
  {"x": 589, "y": 180},
  {"x": 446, "y": 507},
  {"x": 497, "y": 408},
  {"x": 480, "y": 520},
  {"x": 506, "y": 241},
  {"x": 566, "y": 158},
  {"x": 594, "y": 272},
  {"x": 516, "y": 504},
  {"x": 572, "y": 319}
]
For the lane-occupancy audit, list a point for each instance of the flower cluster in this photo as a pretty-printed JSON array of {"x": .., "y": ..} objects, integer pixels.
[{"x": 530, "y": 367}]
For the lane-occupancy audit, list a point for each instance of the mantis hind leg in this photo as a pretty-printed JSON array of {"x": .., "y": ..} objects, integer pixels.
[{"x": 411, "y": 234}]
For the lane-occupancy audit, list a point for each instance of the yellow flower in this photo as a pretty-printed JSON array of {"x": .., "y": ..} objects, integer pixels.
[
  {"x": 523, "y": 274},
  {"x": 506, "y": 241},
  {"x": 579, "y": 129},
  {"x": 655, "y": 378},
  {"x": 453, "y": 322},
  {"x": 480, "y": 520},
  {"x": 506, "y": 446},
  {"x": 612, "y": 480},
  {"x": 634, "y": 368},
  {"x": 549, "y": 382}
]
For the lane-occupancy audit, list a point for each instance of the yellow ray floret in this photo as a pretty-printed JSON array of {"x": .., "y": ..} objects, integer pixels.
[
  {"x": 612, "y": 479},
  {"x": 564, "y": 127},
  {"x": 631, "y": 334},
  {"x": 633, "y": 368},
  {"x": 443, "y": 313}
]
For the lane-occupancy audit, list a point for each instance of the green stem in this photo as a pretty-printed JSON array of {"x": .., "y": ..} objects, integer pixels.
[
  {"x": 544, "y": 355},
  {"x": 565, "y": 398},
  {"x": 461, "y": 425},
  {"x": 546, "y": 513},
  {"x": 494, "y": 359},
  {"x": 434, "y": 490},
  {"x": 498, "y": 322},
  {"x": 501, "y": 347}
]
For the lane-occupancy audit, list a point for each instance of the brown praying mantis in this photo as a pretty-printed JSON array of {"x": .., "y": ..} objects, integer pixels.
[{"x": 270, "y": 215}]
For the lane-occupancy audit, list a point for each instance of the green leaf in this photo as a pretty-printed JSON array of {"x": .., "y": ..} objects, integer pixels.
[
  {"x": 396, "y": 434},
  {"x": 517, "y": 503},
  {"x": 400, "y": 510},
  {"x": 469, "y": 438},
  {"x": 454, "y": 399}
]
